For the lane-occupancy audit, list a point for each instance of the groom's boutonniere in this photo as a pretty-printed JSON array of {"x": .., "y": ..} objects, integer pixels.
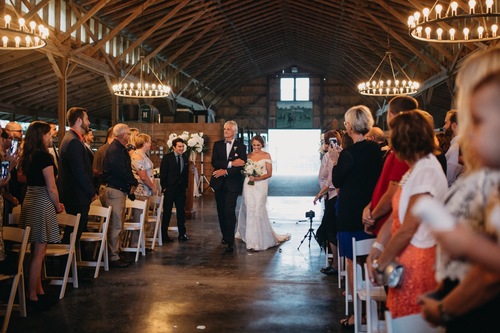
[{"x": 235, "y": 147}]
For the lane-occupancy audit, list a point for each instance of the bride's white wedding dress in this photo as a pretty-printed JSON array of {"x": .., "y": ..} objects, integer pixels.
[{"x": 254, "y": 227}]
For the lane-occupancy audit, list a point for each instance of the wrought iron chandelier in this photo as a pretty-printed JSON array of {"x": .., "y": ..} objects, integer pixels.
[
  {"x": 392, "y": 85},
  {"x": 20, "y": 36},
  {"x": 477, "y": 22},
  {"x": 141, "y": 89}
]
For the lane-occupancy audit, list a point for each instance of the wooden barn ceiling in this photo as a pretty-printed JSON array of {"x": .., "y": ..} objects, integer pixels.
[{"x": 207, "y": 49}]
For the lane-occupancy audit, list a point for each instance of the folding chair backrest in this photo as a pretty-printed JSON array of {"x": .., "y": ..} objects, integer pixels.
[{"x": 20, "y": 236}]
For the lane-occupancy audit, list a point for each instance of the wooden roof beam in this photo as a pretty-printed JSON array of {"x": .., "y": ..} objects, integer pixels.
[
  {"x": 425, "y": 58},
  {"x": 151, "y": 30}
]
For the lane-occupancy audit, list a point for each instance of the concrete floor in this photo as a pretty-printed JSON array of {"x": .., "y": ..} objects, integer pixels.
[{"x": 196, "y": 287}]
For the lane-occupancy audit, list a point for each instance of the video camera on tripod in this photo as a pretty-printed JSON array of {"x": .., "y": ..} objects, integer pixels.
[{"x": 310, "y": 233}]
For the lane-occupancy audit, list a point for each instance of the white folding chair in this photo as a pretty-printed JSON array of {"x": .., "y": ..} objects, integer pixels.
[
  {"x": 375, "y": 295},
  {"x": 342, "y": 275},
  {"x": 14, "y": 216},
  {"x": 153, "y": 221},
  {"x": 361, "y": 248},
  {"x": 103, "y": 216},
  {"x": 57, "y": 250},
  {"x": 135, "y": 226},
  {"x": 20, "y": 236},
  {"x": 408, "y": 324}
]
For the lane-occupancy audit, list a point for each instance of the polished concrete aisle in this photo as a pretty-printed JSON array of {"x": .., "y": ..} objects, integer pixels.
[{"x": 196, "y": 287}]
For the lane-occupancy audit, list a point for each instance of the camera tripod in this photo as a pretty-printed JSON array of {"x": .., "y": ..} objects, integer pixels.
[{"x": 310, "y": 233}]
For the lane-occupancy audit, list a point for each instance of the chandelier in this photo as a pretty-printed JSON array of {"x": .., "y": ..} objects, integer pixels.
[
  {"x": 131, "y": 89},
  {"x": 476, "y": 22},
  {"x": 380, "y": 85},
  {"x": 19, "y": 36}
]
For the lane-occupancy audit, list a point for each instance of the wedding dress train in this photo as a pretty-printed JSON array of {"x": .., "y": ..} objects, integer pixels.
[{"x": 254, "y": 227}]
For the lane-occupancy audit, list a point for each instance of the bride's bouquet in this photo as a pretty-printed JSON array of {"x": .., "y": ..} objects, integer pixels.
[{"x": 251, "y": 169}]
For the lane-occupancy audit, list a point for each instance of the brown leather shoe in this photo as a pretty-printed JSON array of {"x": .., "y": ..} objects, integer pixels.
[{"x": 119, "y": 263}]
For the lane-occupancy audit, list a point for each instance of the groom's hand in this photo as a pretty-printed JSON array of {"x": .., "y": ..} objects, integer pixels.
[{"x": 238, "y": 162}]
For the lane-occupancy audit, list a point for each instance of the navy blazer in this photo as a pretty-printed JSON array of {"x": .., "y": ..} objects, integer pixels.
[
  {"x": 234, "y": 180},
  {"x": 76, "y": 178},
  {"x": 169, "y": 172}
]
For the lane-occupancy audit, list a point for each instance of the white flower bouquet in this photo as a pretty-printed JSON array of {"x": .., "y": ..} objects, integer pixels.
[
  {"x": 252, "y": 169},
  {"x": 193, "y": 143}
]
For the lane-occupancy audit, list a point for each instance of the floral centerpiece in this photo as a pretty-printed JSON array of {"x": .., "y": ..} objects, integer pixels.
[
  {"x": 252, "y": 169},
  {"x": 193, "y": 143}
]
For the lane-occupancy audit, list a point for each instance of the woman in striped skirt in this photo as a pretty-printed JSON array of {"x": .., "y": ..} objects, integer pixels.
[{"x": 41, "y": 203}]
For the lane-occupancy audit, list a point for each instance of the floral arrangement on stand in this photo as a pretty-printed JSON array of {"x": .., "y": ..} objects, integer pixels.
[{"x": 193, "y": 143}]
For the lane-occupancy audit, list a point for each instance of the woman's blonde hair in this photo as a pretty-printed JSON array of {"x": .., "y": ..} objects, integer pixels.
[
  {"x": 360, "y": 118},
  {"x": 141, "y": 139},
  {"x": 476, "y": 69}
]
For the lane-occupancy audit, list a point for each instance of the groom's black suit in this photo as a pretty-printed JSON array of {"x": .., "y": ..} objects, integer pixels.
[{"x": 228, "y": 188}]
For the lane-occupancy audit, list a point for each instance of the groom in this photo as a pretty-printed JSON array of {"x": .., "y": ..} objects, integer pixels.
[{"x": 228, "y": 158}]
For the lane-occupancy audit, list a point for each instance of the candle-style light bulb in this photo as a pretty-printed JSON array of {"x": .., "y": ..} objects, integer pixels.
[
  {"x": 489, "y": 5},
  {"x": 428, "y": 33},
  {"x": 466, "y": 33},
  {"x": 416, "y": 16},
  {"x": 454, "y": 6},
  {"x": 411, "y": 21},
  {"x": 439, "y": 33},
  {"x": 419, "y": 31},
  {"x": 480, "y": 31},
  {"x": 5, "y": 40},
  {"x": 452, "y": 34},
  {"x": 7, "y": 20},
  {"x": 32, "y": 26},
  {"x": 494, "y": 29},
  {"x": 472, "y": 4},
  {"x": 439, "y": 8},
  {"x": 22, "y": 22},
  {"x": 17, "y": 39},
  {"x": 426, "y": 12},
  {"x": 28, "y": 41}
]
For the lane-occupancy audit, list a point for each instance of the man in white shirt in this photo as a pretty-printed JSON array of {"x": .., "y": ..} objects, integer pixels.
[{"x": 453, "y": 167}]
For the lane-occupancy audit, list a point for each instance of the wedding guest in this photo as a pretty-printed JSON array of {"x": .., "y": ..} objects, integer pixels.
[
  {"x": 327, "y": 231},
  {"x": 118, "y": 183},
  {"x": 17, "y": 183},
  {"x": 53, "y": 150},
  {"x": 41, "y": 203},
  {"x": 142, "y": 168},
  {"x": 453, "y": 167},
  {"x": 134, "y": 132},
  {"x": 468, "y": 296},
  {"x": 99, "y": 158},
  {"x": 174, "y": 170},
  {"x": 76, "y": 177},
  {"x": 254, "y": 228},
  {"x": 410, "y": 243},
  {"x": 228, "y": 158},
  {"x": 378, "y": 211},
  {"x": 355, "y": 175}
]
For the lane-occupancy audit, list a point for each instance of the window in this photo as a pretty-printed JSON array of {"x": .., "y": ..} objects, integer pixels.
[{"x": 294, "y": 89}]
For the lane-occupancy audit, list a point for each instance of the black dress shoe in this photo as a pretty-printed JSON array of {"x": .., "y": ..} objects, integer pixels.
[
  {"x": 223, "y": 242},
  {"x": 229, "y": 248},
  {"x": 167, "y": 239},
  {"x": 128, "y": 257},
  {"x": 119, "y": 263},
  {"x": 183, "y": 238}
]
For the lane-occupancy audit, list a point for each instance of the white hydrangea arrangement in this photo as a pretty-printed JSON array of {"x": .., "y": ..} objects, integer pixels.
[{"x": 193, "y": 143}]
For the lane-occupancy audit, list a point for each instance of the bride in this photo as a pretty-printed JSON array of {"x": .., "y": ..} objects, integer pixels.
[{"x": 254, "y": 227}]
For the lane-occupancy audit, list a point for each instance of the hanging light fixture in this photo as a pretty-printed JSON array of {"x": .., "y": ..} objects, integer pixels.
[
  {"x": 141, "y": 89},
  {"x": 380, "y": 84},
  {"x": 478, "y": 22},
  {"x": 20, "y": 36}
]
